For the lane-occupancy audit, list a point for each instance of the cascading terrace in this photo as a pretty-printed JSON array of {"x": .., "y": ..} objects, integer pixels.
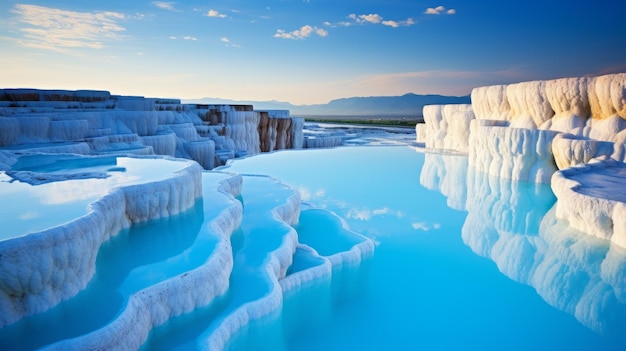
[{"x": 167, "y": 253}]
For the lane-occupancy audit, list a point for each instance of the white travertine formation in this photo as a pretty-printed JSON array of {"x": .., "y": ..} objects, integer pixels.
[
  {"x": 68, "y": 252},
  {"x": 181, "y": 294},
  {"x": 528, "y": 107},
  {"x": 570, "y": 150},
  {"x": 297, "y": 132},
  {"x": 242, "y": 128},
  {"x": 322, "y": 141},
  {"x": 527, "y": 131},
  {"x": 446, "y": 127},
  {"x": 281, "y": 217},
  {"x": 29, "y": 117},
  {"x": 512, "y": 153},
  {"x": 162, "y": 144},
  {"x": 572, "y": 105},
  {"x": 491, "y": 103},
  {"x": 592, "y": 199}
]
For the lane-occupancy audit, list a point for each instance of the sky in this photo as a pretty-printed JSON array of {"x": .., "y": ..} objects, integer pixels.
[{"x": 304, "y": 51}]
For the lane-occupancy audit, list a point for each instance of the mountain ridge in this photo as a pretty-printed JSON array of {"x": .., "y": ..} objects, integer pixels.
[{"x": 407, "y": 105}]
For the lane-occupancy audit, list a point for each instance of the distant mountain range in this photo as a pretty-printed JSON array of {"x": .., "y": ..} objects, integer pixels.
[{"x": 408, "y": 105}]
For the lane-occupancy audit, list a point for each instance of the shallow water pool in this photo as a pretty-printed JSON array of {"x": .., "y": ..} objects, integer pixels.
[
  {"x": 463, "y": 260},
  {"x": 44, "y": 191}
]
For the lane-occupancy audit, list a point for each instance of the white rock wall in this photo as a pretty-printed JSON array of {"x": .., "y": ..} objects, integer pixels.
[
  {"x": 242, "y": 128},
  {"x": 580, "y": 106},
  {"x": 30, "y": 116},
  {"x": 570, "y": 150},
  {"x": 446, "y": 127},
  {"x": 297, "y": 132},
  {"x": 318, "y": 142},
  {"x": 162, "y": 144},
  {"x": 512, "y": 153},
  {"x": 591, "y": 199}
]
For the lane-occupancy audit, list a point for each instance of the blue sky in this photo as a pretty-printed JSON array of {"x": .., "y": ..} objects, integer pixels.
[{"x": 307, "y": 51}]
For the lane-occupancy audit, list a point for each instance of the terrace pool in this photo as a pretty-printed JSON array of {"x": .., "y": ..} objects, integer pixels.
[{"x": 462, "y": 260}]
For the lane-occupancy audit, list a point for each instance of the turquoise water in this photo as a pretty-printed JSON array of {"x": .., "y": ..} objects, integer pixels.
[
  {"x": 68, "y": 184},
  {"x": 144, "y": 255},
  {"x": 462, "y": 261},
  {"x": 497, "y": 272}
]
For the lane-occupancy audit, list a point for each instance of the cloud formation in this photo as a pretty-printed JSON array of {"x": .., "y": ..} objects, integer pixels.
[
  {"x": 374, "y": 18},
  {"x": 215, "y": 13},
  {"x": 56, "y": 29},
  {"x": 186, "y": 37},
  {"x": 302, "y": 33},
  {"x": 396, "y": 24},
  {"x": 227, "y": 42},
  {"x": 439, "y": 10},
  {"x": 371, "y": 18},
  {"x": 165, "y": 5}
]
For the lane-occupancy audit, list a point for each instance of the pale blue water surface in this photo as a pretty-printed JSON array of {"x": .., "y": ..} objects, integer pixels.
[
  {"x": 28, "y": 208},
  {"x": 496, "y": 272},
  {"x": 462, "y": 261}
]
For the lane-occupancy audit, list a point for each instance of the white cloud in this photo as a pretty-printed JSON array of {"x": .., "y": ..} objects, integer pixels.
[
  {"x": 434, "y": 10},
  {"x": 186, "y": 37},
  {"x": 375, "y": 18},
  {"x": 396, "y": 24},
  {"x": 302, "y": 33},
  {"x": 321, "y": 32},
  {"x": 215, "y": 13},
  {"x": 56, "y": 29},
  {"x": 371, "y": 18},
  {"x": 165, "y": 5},
  {"x": 227, "y": 42},
  {"x": 439, "y": 10}
]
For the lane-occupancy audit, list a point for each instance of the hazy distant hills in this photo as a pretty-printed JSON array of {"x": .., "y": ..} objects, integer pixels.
[{"x": 409, "y": 105}]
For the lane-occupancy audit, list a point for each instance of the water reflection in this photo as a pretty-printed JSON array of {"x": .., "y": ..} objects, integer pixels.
[
  {"x": 57, "y": 189},
  {"x": 514, "y": 225},
  {"x": 446, "y": 174}
]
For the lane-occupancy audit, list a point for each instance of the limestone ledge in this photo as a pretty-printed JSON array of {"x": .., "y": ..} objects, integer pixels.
[
  {"x": 209, "y": 134},
  {"x": 68, "y": 252},
  {"x": 592, "y": 199},
  {"x": 182, "y": 294},
  {"x": 552, "y": 131}
]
